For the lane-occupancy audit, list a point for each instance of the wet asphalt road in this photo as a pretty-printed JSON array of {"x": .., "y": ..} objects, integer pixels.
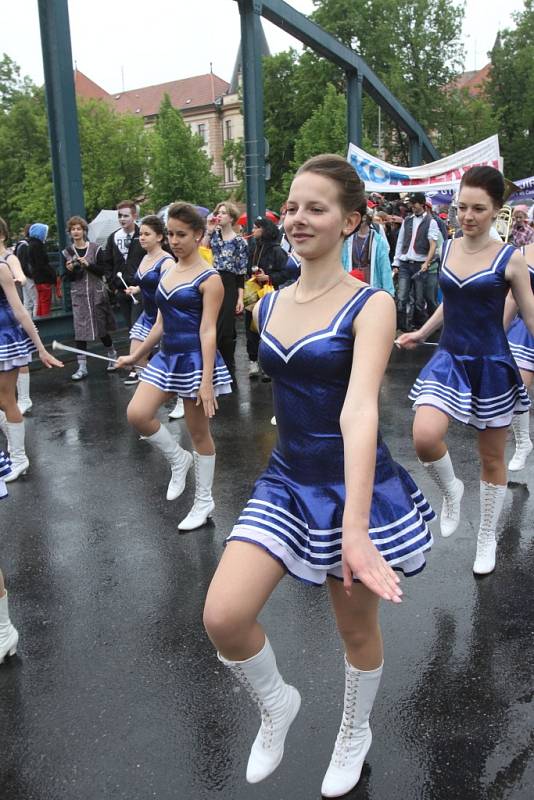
[{"x": 116, "y": 692}]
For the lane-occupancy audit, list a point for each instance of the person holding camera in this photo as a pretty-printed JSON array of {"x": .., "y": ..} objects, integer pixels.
[{"x": 91, "y": 309}]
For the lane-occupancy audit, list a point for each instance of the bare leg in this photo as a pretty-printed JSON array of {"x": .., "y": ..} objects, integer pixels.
[
  {"x": 429, "y": 430},
  {"x": 2, "y": 584},
  {"x": 143, "y": 407},
  {"x": 242, "y": 584},
  {"x": 8, "y": 398},
  {"x": 357, "y": 623},
  {"x": 491, "y": 445},
  {"x": 198, "y": 426}
]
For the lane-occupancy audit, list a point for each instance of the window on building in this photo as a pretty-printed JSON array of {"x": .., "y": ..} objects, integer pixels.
[
  {"x": 228, "y": 129},
  {"x": 229, "y": 168},
  {"x": 203, "y": 132}
]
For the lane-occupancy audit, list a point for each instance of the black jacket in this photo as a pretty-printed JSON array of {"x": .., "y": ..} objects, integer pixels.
[
  {"x": 271, "y": 258},
  {"x": 113, "y": 261},
  {"x": 41, "y": 269}
]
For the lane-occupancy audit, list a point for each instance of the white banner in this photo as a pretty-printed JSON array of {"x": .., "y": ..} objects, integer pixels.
[{"x": 379, "y": 176}]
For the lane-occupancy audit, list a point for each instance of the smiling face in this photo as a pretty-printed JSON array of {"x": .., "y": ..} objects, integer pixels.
[
  {"x": 476, "y": 211},
  {"x": 315, "y": 222},
  {"x": 183, "y": 240},
  {"x": 149, "y": 239}
]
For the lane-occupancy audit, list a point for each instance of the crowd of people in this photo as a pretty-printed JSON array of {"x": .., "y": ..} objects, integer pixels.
[{"x": 325, "y": 292}]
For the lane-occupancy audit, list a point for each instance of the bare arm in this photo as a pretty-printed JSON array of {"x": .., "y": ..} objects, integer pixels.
[
  {"x": 212, "y": 297},
  {"x": 408, "y": 341},
  {"x": 510, "y": 311},
  {"x": 374, "y": 332},
  {"x": 518, "y": 276},
  {"x": 16, "y": 269},
  {"x": 23, "y": 318}
]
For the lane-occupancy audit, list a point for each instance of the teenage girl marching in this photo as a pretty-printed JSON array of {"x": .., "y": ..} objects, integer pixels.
[
  {"x": 188, "y": 297},
  {"x": 332, "y": 505},
  {"x": 473, "y": 377}
]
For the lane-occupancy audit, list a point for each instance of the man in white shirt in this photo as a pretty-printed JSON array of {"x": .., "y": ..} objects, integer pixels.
[{"x": 414, "y": 255}]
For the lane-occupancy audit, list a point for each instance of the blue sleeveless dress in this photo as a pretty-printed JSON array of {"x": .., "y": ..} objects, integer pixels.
[
  {"x": 16, "y": 347},
  {"x": 148, "y": 281},
  {"x": 520, "y": 339},
  {"x": 296, "y": 509},
  {"x": 5, "y": 469},
  {"x": 177, "y": 366},
  {"x": 472, "y": 376}
]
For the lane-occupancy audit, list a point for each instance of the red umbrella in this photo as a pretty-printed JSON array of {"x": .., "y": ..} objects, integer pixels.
[{"x": 269, "y": 214}]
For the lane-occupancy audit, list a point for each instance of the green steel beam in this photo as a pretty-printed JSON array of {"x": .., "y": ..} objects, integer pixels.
[
  {"x": 251, "y": 48},
  {"x": 312, "y": 35},
  {"x": 354, "y": 107},
  {"x": 62, "y": 116}
]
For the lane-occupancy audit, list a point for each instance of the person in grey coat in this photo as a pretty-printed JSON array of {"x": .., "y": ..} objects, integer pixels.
[{"x": 91, "y": 309}]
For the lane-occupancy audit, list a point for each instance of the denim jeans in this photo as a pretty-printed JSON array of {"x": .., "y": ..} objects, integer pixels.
[{"x": 407, "y": 270}]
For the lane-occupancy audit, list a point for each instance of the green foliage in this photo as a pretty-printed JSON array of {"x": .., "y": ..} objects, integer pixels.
[
  {"x": 234, "y": 157},
  {"x": 179, "y": 168},
  {"x": 12, "y": 85},
  {"x": 461, "y": 120},
  {"x": 511, "y": 92},
  {"x": 325, "y": 131},
  {"x": 114, "y": 154}
]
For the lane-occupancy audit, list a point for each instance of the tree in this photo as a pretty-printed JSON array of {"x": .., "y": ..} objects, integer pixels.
[
  {"x": 511, "y": 92},
  {"x": 234, "y": 158},
  {"x": 462, "y": 119},
  {"x": 114, "y": 153},
  {"x": 12, "y": 85},
  {"x": 179, "y": 168}
]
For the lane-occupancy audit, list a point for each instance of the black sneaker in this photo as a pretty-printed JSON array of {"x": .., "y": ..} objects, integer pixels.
[{"x": 132, "y": 379}]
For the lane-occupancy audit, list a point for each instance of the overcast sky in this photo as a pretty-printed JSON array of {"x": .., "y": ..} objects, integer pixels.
[{"x": 137, "y": 43}]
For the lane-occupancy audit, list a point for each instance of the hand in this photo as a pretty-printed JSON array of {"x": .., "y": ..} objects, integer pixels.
[
  {"x": 48, "y": 360},
  {"x": 261, "y": 277},
  {"x": 69, "y": 265},
  {"x": 408, "y": 341},
  {"x": 395, "y": 270},
  {"x": 83, "y": 261},
  {"x": 125, "y": 361},
  {"x": 424, "y": 267},
  {"x": 361, "y": 559},
  {"x": 239, "y": 306},
  {"x": 206, "y": 398},
  {"x": 132, "y": 290}
]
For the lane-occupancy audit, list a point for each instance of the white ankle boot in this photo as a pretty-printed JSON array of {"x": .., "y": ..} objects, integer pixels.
[
  {"x": 523, "y": 444},
  {"x": 178, "y": 410},
  {"x": 354, "y": 737},
  {"x": 278, "y": 702},
  {"x": 203, "y": 504},
  {"x": 9, "y": 636},
  {"x": 491, "y": 503},
  {"x": 17, "y": 454},
  {"x": 81, "y": 372},
  {"x": 442, "y": 472},
  {"x": 23, "y": 392},
  {"x": 179, "y": 459}
]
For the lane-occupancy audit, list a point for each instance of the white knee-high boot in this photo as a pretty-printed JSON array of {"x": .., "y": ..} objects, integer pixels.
[
  {"x": 8, "y": 633},
  {"x": 523, "y": 444},
  {"x": 354, "y": 737},
  {"x": 491, "y": 503},
  {"x": 17, "y": 453},
  {"x": 23, "y": 392},
  {"x": 179, "y": 459},
  {"x": 442, "y": 472},
  {"x": 278, "y": 703},
  {"x": 203, "y": 504}
]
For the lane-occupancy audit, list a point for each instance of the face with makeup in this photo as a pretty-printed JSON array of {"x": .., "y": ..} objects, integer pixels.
[{"x": 127, "y": 218}]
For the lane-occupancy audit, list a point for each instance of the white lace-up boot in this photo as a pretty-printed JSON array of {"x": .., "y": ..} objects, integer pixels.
[
  {"x": 9, "y": 636},
  {"x": 278, "y": 702},
  {"x": 442, "y": 472},
  {"x": 491, "y": 503},
  {"x": 203, "y": 504},
  {"x": 178, "y": 410},
  {"x": 523, "y": 444},
  {"x": 354, "y": 737},
  {"x": 179, "y": 459},
  {"x": 17, "y": 453},
  {"x": 81, "y": 372},
  {"x": 23, "y": 392}
]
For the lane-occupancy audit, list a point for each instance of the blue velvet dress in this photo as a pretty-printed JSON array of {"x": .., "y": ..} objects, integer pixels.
[
  {"x": 16, "y": 347},
  {"x": 296, "y": 509},
  {"x": 177, "y": 366},
  {"x": 472, "y": 376},
  {"x": 5, "y": 469},
  {"x": 148, "y": 282},
  {"x": 520, "y": 339}
]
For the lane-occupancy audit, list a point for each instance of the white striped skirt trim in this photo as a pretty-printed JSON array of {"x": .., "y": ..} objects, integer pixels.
[
  {"x": 466, "y": 407},
  {"x": 312, "y": 554},
  {"x": 139, "y": 332},
  {"x": 523, "y": 356},
  {"x": 186, "y": 384}
]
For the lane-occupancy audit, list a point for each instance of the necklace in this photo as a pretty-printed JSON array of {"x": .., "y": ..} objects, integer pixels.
[
  {"x": 473, "y": 252},
  {"x": 316, "y": 297}
]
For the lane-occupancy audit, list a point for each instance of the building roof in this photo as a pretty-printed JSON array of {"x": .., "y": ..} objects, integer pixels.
[
  {"x": 473, "y": 80},
  {"x": 195, "y": 92}
]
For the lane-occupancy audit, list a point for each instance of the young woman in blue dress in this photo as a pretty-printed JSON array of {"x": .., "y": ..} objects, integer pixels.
[
  {"x": 188, "y": 298},
  {"x": 473, "y": 377},
  {"x": 331, "y": 505}
]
